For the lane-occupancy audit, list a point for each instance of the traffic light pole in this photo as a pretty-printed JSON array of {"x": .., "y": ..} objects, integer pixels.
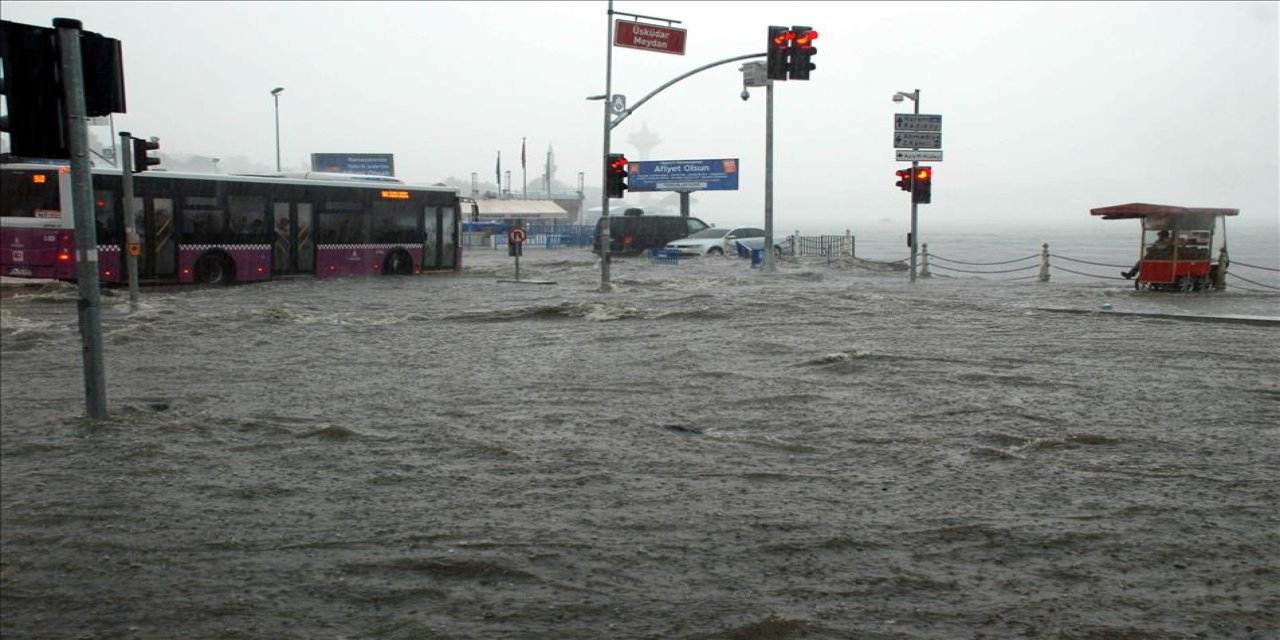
[
  {"x": 131, "y": 239},
  {"x": 90, "y": 303},
  {"x": 915, "y": 237},
  {"x": 606, "y": 242},
  {"x": 768, "y": 262}
]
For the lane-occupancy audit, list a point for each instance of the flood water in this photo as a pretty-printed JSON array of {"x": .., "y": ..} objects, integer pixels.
[{"x": 707, "y": 451}]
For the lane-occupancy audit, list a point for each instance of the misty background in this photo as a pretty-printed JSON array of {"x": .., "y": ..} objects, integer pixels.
[{"x": 1049, "y": 109}]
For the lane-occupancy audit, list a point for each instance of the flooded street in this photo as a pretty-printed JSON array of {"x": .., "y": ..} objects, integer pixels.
[{"x": 705, "y": 452}]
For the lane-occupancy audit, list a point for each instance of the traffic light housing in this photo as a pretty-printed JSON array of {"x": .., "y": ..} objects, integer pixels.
[
  {"x": 801, "y": 50},
  {"x": 779, "y": 50},
  {"x": 36, "y": 122},
  {"x": 923, "y": 192},
  {"x": 142, "y": 161},
  {"x": 616, "y": 170},
  {"x": 904, "y": 179}
]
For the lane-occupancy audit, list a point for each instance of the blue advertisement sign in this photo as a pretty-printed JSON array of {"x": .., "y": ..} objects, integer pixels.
[
  {"x": 369, "y": 164},
  {"x": 683, "y": 175}
]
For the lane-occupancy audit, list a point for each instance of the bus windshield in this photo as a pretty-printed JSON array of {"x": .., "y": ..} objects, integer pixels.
[{"x": 30, "y": 194}]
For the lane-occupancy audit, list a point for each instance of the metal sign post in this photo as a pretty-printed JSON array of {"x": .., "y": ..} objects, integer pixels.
[
  {"x": 515, "y": 246},
  {"x": 916, "y": 131},
  {"x": 90, "y": 303},
  {"x": 132, "y": 240}
]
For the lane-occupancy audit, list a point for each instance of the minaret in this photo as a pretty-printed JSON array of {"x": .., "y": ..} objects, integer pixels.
[{"x": 644, "y": 141}]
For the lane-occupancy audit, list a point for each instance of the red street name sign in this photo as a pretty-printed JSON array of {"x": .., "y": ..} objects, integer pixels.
[{"x": 650, "y": 37}]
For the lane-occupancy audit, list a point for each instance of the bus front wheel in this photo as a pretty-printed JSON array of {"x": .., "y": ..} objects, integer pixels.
[
  {"x": 214, "y": 268},
  {"x": 398, "y": 263}
]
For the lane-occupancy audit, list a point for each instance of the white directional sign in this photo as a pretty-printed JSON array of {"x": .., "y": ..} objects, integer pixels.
[
  {"x": 917, "y": 122},
  {"x": 917, "y": 139},
  {"x": 916, "y": 155}
]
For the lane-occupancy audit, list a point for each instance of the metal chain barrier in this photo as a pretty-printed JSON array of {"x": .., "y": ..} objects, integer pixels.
[
  {"x": 938, "y": 266},
  {"x": 982, "y": 264},
  {"x": 1081, "y": 273},
  {"x": 1096, "y": 264},
  {"x": 1259, "y": 284},
  {"x": 1253, "y": 266}
]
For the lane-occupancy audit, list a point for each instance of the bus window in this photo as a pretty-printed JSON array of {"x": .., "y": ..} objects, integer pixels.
[
  {"x": 201, "y": 223},
  {"x": 248, "y": 217},
  {"x": 164, "y": 253},
  {"x": 282, "y": 241},
  {"x": 343, "y": 228},
  {"x": 30, "y": 194},
  {"x": 306, "y": 249},
  {"x": 395, "y": 222},
  {"x": 104, "y": 214}
]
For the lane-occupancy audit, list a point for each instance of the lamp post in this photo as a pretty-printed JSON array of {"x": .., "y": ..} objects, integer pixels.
[
  {"x": 753, "y": 75},
  {"x": 275, "y": 93},
  {"x": 914, "y": 97}
]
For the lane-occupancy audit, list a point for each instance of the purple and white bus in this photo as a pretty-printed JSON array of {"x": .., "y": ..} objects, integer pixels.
[{"x": 220, "y": 229}]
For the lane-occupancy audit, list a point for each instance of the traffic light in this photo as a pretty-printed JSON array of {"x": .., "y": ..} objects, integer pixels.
[
  {"x": 924, "y": 185},
  {"x": 778, "y": 48},
  {"x": 801, "y": 50},
  {"x": 616, "y": 170},
  {"x": 36, "y": 123},
  {"x": 904, "y": 179},
  {"x": 142, "y": 161}
]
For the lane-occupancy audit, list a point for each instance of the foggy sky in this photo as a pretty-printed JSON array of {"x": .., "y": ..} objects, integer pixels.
[{"x": 1049, "y": 109}]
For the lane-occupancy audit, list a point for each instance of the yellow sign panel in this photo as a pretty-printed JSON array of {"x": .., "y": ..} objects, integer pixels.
[{"x": 395, "y": 195}]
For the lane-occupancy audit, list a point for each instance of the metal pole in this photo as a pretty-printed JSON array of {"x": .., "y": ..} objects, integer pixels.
[
  {"x": 90, "y": 303},
  {"x": 276, "y": 95},
  {"x": 915, "y": 236},
  {"x": 684, "y": 204},
  {"x": 767, "y": 258},
  {"x": 131, "y": 238},
  {"x": 605, "y": 241}
]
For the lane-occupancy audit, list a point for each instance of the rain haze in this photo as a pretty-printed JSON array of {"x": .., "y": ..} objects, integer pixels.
[
  {"x": 1049, "y": 109},
  {"x": 382, "y": 431}
]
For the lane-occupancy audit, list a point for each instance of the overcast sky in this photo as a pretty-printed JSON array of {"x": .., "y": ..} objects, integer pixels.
[{"x": 1049, "y": 109}]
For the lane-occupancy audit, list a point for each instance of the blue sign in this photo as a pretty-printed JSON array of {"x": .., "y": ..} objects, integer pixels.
[
  {"x": 683, "y": 175},
  {"x": 369, "y": 164}
]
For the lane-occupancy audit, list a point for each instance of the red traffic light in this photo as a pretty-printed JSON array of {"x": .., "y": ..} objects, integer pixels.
[
  {"x": 904, "y": 179},
  {"x": 618, "y": 164},
  {"x": 924, "y": 173},
  {"x": 805, "y": 40}
]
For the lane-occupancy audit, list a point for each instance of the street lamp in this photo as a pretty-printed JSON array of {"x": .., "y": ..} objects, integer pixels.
[
  {"x": 275, "y": 93},
  {"x": 914, "y": 97},
  {"x": 754, "y": 75}
]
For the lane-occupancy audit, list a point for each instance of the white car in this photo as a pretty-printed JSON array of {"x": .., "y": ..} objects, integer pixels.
[{"x": 715, "y": 241}]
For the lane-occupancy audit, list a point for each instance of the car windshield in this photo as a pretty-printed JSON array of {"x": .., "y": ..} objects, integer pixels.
[{"x": 711, "y": 232}]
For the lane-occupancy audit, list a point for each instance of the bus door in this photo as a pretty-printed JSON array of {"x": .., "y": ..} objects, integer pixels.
[
  {"x": 448, "y": 236},
  {"x": 293, "y": 244},
  {"x": 431, "y": 240},
  {"x": 159, "y": 257}
]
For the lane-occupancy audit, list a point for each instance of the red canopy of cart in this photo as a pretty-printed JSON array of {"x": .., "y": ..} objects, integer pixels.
[{"x": 1142, "y": 210}]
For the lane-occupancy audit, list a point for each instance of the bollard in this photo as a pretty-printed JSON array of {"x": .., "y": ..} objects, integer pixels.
[
  {"x": 924, "y": 261},
  {"x": 1044, "y": 263},
  {"x": 1220, "y": 275}
]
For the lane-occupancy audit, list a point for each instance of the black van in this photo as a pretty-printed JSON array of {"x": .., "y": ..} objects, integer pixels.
[{"x": 633, "y": 232}]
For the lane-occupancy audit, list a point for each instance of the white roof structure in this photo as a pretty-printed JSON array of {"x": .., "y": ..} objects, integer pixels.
[{"x": 493, "y": 209}]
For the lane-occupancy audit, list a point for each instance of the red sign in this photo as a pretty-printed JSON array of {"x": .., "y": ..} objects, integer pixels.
[
  {"x": 516, "y": 235},
  {"x": 651, "y": 37}
]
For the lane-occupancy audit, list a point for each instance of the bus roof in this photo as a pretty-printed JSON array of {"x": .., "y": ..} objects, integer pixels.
[
  {"x": 1142, "y": 210},
  {"x": 310, "y": 177}
]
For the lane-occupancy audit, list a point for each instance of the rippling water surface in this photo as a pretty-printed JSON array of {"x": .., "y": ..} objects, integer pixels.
[{"x": 705, "y": 452}]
